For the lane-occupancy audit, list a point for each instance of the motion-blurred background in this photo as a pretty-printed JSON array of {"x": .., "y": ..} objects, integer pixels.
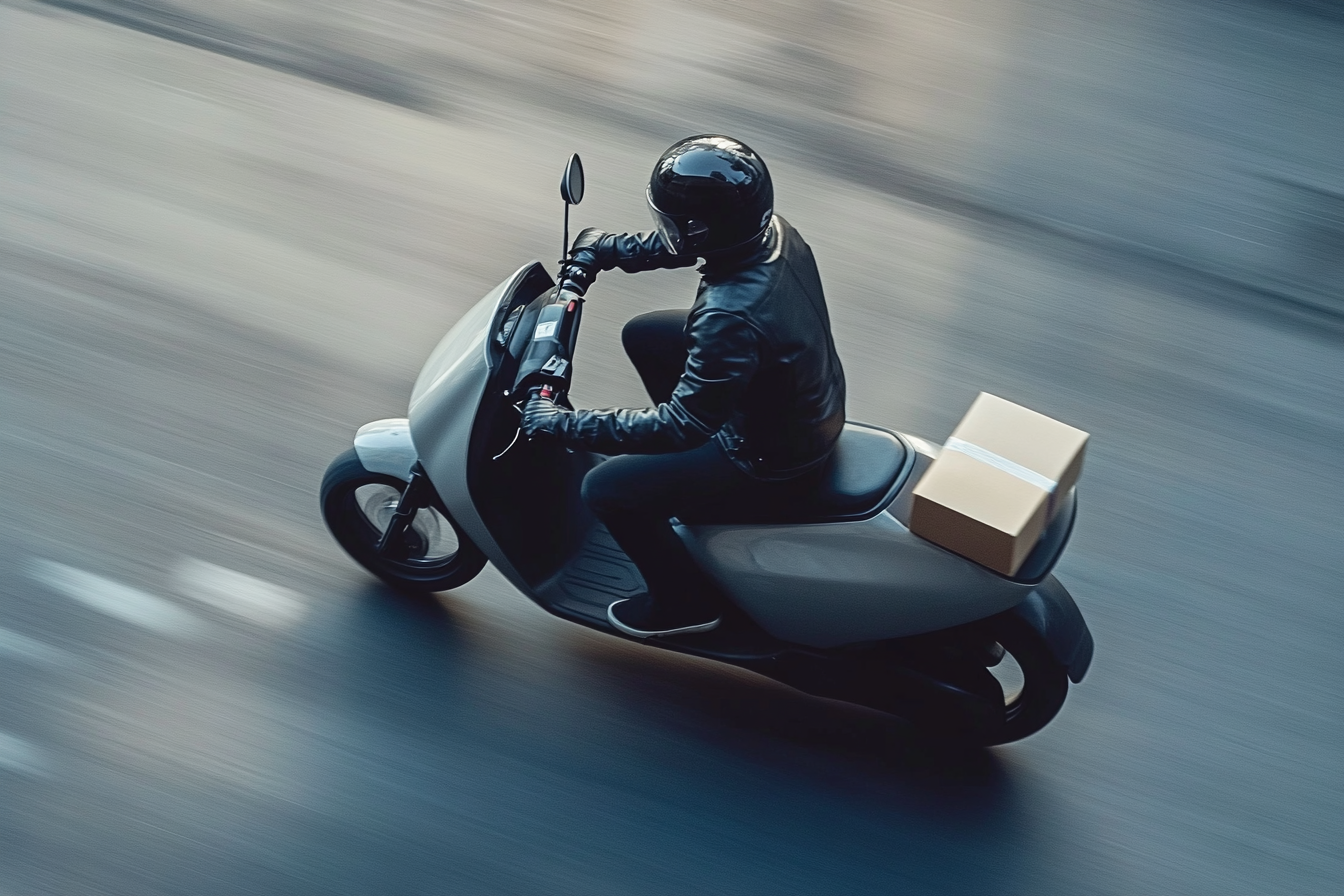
[{"x": 231, "y": 231}]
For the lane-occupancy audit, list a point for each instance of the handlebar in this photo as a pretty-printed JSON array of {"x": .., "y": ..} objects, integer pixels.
[
  {"x": 544, "y": 367},
  {"x": 547, "y": 359}
]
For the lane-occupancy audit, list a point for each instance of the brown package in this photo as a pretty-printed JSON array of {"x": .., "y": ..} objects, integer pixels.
[{"x": 993, "y": 488}]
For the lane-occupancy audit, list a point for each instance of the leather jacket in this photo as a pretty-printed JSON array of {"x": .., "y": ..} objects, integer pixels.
[{"x": 762, "y": 375}]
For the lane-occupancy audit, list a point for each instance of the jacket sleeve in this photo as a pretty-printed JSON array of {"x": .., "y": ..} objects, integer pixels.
[
  {"x": 724, "y": 355},
  {"x": 631, "y": 252}
]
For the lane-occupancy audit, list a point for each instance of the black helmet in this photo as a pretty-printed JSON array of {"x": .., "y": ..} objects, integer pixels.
[{"x": 710, "y": 193}]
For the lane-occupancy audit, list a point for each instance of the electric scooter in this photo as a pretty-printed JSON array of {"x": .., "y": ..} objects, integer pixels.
[{"x": 835, "y": 597}]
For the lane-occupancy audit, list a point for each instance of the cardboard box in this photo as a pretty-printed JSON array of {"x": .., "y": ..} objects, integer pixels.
[{"x": 993, "y": 488}]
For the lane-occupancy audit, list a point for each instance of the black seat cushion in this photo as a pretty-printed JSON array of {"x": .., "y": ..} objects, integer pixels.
[
  {"x": 855, "y": 481},
  {"x": 859, "y": 473}
]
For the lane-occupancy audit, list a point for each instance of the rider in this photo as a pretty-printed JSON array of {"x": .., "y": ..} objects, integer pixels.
[{"x": 749, "y": 390}]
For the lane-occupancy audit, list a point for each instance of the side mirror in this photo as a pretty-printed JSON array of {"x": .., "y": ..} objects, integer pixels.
[{"x": 571, "y": 184}]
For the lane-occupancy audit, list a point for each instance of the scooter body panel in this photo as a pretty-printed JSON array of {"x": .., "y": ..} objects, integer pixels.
[
  {"x": 1051, "y": 611},
  {"x": 444, "y": 404},
  {"x": 385, "y": 446},
  {"x": 830, "y": 584}
]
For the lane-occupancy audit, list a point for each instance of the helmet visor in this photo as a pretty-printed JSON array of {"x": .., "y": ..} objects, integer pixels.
[{"x": 672, "y": 231}]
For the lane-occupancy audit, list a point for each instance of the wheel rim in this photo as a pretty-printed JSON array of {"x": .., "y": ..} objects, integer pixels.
[
  {"x": 431, "y": 541},
  {"x": 357, "y": 506},
  {"x": 1033, "y": 682},
  {"x": 1012, "y": 681}
]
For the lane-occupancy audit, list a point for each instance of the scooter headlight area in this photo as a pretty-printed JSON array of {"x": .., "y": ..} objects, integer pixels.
[{"x": 837, "y": 598}]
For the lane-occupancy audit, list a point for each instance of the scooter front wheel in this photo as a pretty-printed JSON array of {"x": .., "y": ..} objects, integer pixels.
[{"x": 434, "y": 554}]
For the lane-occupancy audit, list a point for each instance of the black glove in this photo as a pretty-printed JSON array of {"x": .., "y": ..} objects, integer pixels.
[
  {"x": 580, "y": 269},
  {"x": 541, "y": 416},
  {"x": 576, "y": 279}
]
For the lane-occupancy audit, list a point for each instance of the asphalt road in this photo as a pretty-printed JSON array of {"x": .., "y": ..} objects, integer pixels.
[{"x": 229, "y": 234}]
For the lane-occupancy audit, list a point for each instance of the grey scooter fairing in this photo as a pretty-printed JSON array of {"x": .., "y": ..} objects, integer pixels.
[{"x": 803, "y": 586}]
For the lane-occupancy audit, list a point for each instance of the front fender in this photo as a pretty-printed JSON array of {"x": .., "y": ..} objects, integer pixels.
[
  {"x": 1050, "y": 610},
  {"x": 385, "y": 446}
]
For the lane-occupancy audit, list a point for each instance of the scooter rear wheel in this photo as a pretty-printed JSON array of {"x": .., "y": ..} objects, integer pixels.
[
  {"x": 357, "y": 505},
  {"x": 1033, "y": 682}
]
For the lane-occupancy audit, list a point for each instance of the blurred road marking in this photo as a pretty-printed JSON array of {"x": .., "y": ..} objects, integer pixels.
[
  {"x": 18, "y": 755},
  {"x": 242, "y": 595},
  {"x": 22, "y": 647},
  {"x": 117, "y": 600}
]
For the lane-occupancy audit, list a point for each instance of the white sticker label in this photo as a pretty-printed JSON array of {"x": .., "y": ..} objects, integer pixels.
[{"x": 546, "y": 330}]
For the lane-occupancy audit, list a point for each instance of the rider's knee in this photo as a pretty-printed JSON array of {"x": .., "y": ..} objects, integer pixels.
[
  {"x": 605, "y": 490},
  {"x": 653, "y": 332}
]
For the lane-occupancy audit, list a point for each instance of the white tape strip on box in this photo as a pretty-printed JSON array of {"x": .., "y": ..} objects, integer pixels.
[{"x": 985, "y": 456}]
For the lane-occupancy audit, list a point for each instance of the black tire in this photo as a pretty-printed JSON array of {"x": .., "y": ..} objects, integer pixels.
[
  {"x": 1035, "y": 690},
  {"x": 356, "y": 504}
]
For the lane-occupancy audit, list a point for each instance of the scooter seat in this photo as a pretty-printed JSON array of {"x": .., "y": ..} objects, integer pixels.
[
  {"x": 857, "y": 481},
  {"x": 859, "y": 474}
]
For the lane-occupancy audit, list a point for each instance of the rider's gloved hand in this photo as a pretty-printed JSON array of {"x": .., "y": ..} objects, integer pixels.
[
  {"x": 580, "y": 268},
  {"x": 541, "y": 416}
]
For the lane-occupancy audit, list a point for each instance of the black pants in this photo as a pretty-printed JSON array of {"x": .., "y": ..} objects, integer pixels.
[{"x": 636, "y": 495}]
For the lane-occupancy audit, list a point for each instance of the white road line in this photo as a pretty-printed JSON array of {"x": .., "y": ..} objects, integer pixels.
[
  {"x": 18, "y": 755},
  {"x": 21, "y": 647},
  {"x": 250, "y": 598},
  {"x": 117, "y": 600}
]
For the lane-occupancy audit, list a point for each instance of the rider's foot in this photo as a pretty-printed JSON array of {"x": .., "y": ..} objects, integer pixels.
[{"x": 646, "y": 617}]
